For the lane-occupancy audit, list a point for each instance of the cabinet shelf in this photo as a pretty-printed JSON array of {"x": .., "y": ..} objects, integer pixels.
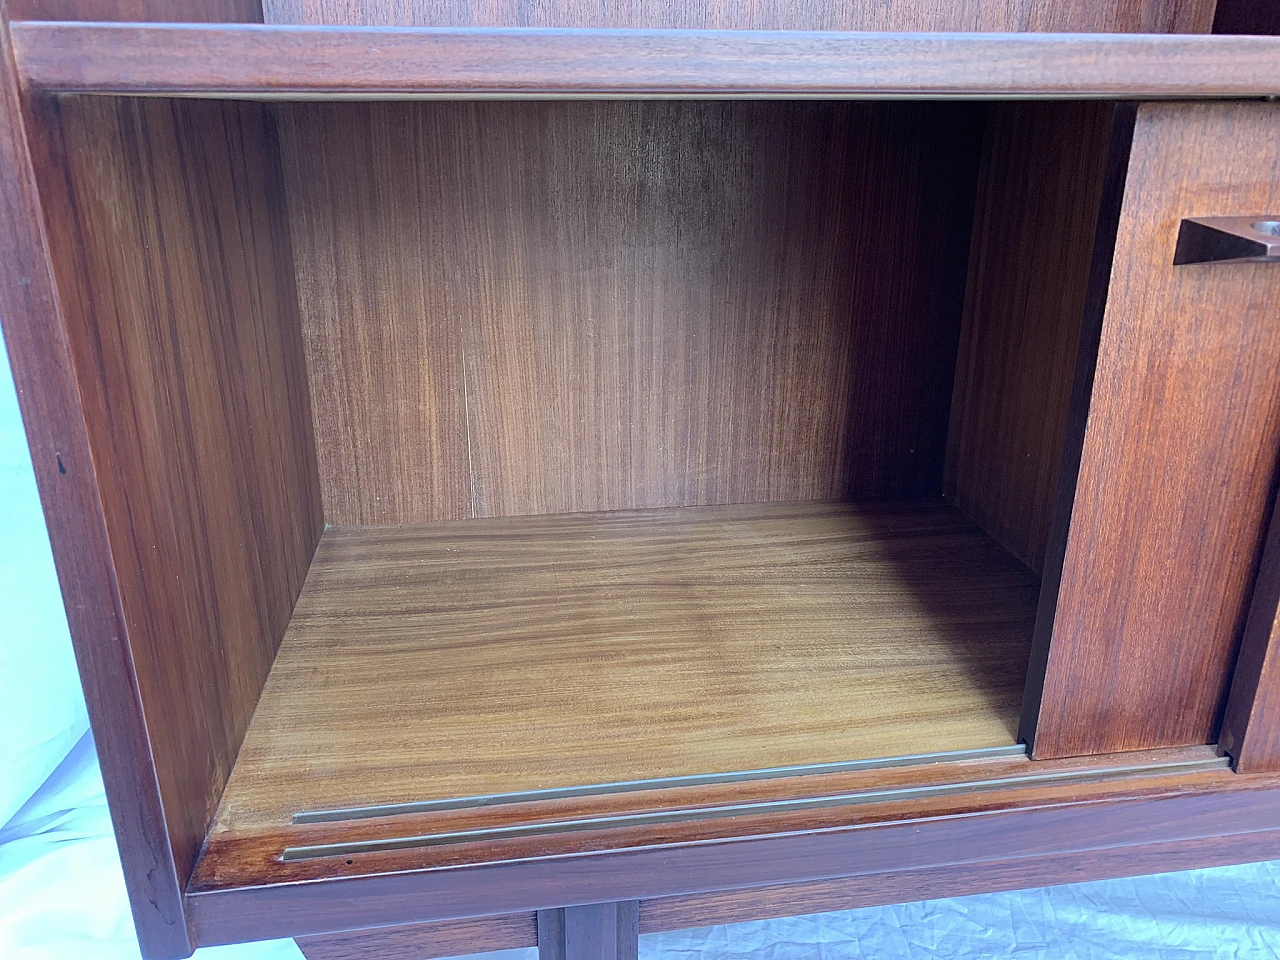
[
  {"x": 267, "y": 61},
  {"x": 466, "y": 658}
]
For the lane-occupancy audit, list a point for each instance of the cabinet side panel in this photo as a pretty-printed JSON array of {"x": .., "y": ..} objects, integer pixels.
[
  {"x": 36, "y": 337},
  {"x": 1180, "y": 449},
  {"x": 1044, "y": 166},
  {"x": 1083, "y": 16},
  {"x": 525, "y": 308},
  {"x": 171, "y": 246}
]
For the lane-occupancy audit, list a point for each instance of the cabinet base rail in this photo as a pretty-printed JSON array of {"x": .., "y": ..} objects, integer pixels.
[{"x": 652, "y": 818}]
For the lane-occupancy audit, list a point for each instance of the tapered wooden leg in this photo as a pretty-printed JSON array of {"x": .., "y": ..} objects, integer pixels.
[{"x": 598, "y": 931}]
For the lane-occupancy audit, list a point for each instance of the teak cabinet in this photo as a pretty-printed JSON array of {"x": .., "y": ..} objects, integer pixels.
[{"x": 541, "y": 472}]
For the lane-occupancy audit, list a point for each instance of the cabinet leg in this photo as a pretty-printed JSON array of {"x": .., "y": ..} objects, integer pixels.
[{"x": 598, "y": 931}]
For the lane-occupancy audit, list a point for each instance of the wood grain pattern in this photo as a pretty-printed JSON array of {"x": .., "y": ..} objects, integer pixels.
[
  {"x": 1180, "y": 452},
  {"x": 1251, "y": 722},
  {"x": 1082, "y": 16},
  {"x": 1040, "y": 189},
  {"x": 931, "y": 883},
  {"x": 447, "y": 938},
  {"x": 311, "y": 62},
  {"x": 172, "y": 255},
  {"x": 1039, "y": 823},
  {"x": 528, "y": 308},
  {"x": 254, "y": 855},
  {"x": 38, "y": 341},
  {"x": 1095, "y": 307},
  {"x": 168, "y": 11},
  {"x": 424, "y": 941},
  {"x": 492, "y": 656},
  {"x": 595, "y": 931}
]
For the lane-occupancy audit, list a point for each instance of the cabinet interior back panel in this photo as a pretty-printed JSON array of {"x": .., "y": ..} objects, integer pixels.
[
  {"x": 524, "y": 308},
  {"x": 1082, "y": 16}
]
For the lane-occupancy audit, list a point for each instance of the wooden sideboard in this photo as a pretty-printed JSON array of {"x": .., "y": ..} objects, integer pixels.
[{"x": 536, "y": 473}]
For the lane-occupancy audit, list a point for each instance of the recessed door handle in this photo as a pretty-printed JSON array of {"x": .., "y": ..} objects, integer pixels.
[{"x": 1228, "y": 240}]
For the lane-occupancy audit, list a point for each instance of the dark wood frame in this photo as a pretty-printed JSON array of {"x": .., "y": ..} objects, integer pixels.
[
  {"x": 281, "y": 61},
  {"x": 447, "y": 938},
  {"x": 49, "y": 397},
  {"x": 1113, "y": 826},
  {"x": 1251, "y": 726},
  {"x": 1114, "y": 835}
]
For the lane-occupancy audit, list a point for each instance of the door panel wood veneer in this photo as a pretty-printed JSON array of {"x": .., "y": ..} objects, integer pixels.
[{"x": 1180, "y": 450}]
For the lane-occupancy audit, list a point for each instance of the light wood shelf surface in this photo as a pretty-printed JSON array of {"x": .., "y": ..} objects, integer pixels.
[
  {"x": 255, "y": 60},
  {"x": 486, "y": 656}
]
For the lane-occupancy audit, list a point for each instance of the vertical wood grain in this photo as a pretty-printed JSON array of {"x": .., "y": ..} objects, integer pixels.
[
  {"x": 171, "y": 250},
  {"x": 423, "y": 941},
  {"x": 1040, "y": 189},
  {"x": 1084, "y": 16},
  {"x": 39, "y": 344},
  {"x": 1180, "y": 450},
  {"x": 1104, "y": 245},
  {"x": 598, "y": 931},
  {"x": 521, "y": 308}
]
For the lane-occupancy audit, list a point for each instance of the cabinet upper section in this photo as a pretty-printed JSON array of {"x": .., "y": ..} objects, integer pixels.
[
  {"x": 980, "y": 49},
  {"x": 292, "y": 62}
]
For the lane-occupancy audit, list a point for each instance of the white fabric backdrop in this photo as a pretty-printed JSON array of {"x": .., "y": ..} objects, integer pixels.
[
  {"x": 43, "y": 716},
  {"x": 62, "y": 895}
]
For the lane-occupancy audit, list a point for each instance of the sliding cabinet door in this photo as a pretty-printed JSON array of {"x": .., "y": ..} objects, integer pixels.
[{"x": 1178, "y": 451}]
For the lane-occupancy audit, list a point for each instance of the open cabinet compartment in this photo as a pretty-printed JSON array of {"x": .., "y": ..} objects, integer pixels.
[
  {"x": 633, "y": 439},
  {"x": 583, "y": 307},
  {"x": 716, "y": 465}
]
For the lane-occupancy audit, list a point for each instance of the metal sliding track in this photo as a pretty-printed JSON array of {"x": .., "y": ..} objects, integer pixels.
[
  {"x": 656, "y": 783},
  {"x": 715, "y": 811}
]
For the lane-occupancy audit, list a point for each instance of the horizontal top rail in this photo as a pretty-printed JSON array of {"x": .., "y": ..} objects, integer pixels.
[{"x": 306, "y": 62}]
